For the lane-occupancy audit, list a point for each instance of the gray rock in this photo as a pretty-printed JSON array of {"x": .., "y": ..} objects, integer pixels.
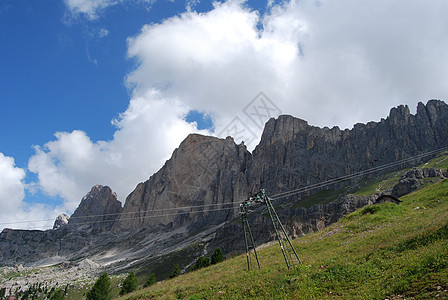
[
  {"x": 413, "y": 179},
  {"x": 98, "y": 210},
  {"x": 61, "y": 221},
  {"x": 204, "y": 172},
  {"x": 200, "y": 186}
]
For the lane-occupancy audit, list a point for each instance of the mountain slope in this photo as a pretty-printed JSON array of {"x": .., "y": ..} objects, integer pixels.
[
  {"x": 193, "y": 199},
  {"x": 385, "y": 251}
]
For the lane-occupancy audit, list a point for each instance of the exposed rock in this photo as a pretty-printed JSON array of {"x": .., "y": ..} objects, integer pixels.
[
  {"x": 61, "y": 221},
  {"x": 99, "y": 209},
  {"x": 204, "y": 172},
  {"x": 292, "y": 153},
  {"x": 413, "y": 180},
  {"x": 213, "y": 176}
]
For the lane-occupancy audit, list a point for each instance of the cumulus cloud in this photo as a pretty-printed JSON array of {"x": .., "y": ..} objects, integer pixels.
[
  {"x": 14, "y": 212},
  {"x": 355, "y": 59},
  {"x": 12, "y": 189},
  {"x": 147, "y": 132},
  {"x": 328, "y": 62}
]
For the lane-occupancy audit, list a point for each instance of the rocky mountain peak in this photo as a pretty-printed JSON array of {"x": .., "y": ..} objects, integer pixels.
[
  {"x": 203, "y": 171},
  {"x": 61, "y": 221},
  {"x": 98, "y": 209}
]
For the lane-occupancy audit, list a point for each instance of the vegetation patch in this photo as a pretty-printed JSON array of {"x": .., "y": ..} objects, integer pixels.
[{"x": 386, "y": 251}]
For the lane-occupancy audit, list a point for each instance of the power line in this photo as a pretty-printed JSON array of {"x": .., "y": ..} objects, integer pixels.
[
  {"x": 139, "y": 212},
  {"x": 236, "y": 205},
  {"x": 354, "y": 175}
]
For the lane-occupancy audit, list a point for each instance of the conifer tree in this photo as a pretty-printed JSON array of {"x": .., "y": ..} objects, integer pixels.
[
  {"x": 151, "y": 280},
  {"x": 176, "y": 271},
  {"x": 201, "y": 262},
  {"x": 217, "y": 256},
  {"x": 130, "y": 284},
  {"x": 101, "y": 289}
]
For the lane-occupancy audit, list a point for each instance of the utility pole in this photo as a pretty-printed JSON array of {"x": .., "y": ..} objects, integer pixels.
[
  {"x": 288, "y": 251},
  {"x": 248, "y": 238}
]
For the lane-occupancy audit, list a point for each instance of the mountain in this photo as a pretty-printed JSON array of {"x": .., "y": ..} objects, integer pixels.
[
  {"x": 191, "y": 203},
  {"x": 203, "y": 172},
  {"x": 292, "y": 153},
  {"x": 385, "y": 251}
]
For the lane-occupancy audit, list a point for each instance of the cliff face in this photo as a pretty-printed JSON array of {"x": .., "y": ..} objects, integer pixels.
[
  {"x": 206, "y": 178},
  {"x": 99, "y": 209},
  {"x": 204, "y": 172},
  {"x": 294, "y": 154}
]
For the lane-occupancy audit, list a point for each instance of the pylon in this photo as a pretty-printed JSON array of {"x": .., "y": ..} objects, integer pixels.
[
  {"x": 251, "y": 251},
  {"x": 288, "y": 251}
]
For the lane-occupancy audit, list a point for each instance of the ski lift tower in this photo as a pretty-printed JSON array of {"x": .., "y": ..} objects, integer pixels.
[{"x": 288, "y": 251}]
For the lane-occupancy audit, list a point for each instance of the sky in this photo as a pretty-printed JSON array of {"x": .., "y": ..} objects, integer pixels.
[{"x": 103, "y": 91}]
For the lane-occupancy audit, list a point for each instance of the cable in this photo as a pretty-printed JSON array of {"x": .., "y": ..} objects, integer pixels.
[
  {"x": 137, "y": 212},
  {"x": 353, "y": 175},
  {"x": 275, "y": 197}
]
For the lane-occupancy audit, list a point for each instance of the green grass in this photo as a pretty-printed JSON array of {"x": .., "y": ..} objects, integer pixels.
[
  {"x": 320, "y": 197},
  {"x": 441, "y": 162},
  {"x": 385, "y": 251},
  {"x": 375, "y": 185}
]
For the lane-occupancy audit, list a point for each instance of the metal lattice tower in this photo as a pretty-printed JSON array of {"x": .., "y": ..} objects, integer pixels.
[
  {"x": 251, "y": 252},
  {"x": 288, "y": 251}
]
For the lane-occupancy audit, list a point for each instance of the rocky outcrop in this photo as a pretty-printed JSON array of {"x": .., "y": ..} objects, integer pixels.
[
  {"x": 199, "y": 188},
  {"x": 204, "y": 174},
  {"x": 294, "y": 154},
  {"x": 414, "y": 179},
  {"x": 98, "y": 210},
  {"x": 61, "y": 221}
]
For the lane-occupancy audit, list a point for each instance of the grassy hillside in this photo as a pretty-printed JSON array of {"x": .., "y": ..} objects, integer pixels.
[{"x": 378, "y": 252}]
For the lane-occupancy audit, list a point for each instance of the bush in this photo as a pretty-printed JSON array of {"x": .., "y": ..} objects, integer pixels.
[
  {"x": 201, "y": 262},
  {"x": 130, "y": 284},
  {"x": 58, "y": 295},
  {"x": 151, "y": 280},
  {"x": 176, "y": 271},
  {"x": 217, "y": 256},
  {"x": 101, "y": 289}
]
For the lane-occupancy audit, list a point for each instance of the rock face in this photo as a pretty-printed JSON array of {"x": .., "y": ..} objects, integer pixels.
[
  {"x": 98, "y": 209},
  {"x": 61, "y": 221},
  {"x": 200, "y": 187},
  {"x": 294, "y": 154},
  {"x": 204, "y": 172},
  {"x": 413, "y": 180}
]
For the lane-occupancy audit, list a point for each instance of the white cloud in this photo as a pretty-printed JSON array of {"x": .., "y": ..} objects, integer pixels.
[
  {"x": 336, "y": 63},
  {"x": 147, "y": 132},
  {"x": 14, "y": 212},
  {"x": 90, "y": 8},
  {"x": 355, "y": 59},
  {"x": 12, "y": 189}
]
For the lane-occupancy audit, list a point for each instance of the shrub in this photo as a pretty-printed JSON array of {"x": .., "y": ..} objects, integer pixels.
[
  {"x": 176, "y": 271},
  {"x": 58, "y": 295},
  {"x": 217, "y": 256},
  {"x": 101, "y": 289},
  {"x": 151, "y": 280},
  {"x": 130, "y": 284}
]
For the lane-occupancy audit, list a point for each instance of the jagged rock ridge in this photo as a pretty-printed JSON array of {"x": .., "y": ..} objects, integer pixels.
[
  {"x": 213, "y": 175},
  {"x": 99, "y": 209},
  {"x": 203, "y": 172},
  {"x": 292, "y": 153}
]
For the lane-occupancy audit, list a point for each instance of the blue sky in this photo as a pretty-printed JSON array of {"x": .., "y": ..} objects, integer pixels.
[{"x": 102, "y": 91}]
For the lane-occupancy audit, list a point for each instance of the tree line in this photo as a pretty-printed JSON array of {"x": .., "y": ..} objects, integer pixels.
[{"x": 101, "y": 290}]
